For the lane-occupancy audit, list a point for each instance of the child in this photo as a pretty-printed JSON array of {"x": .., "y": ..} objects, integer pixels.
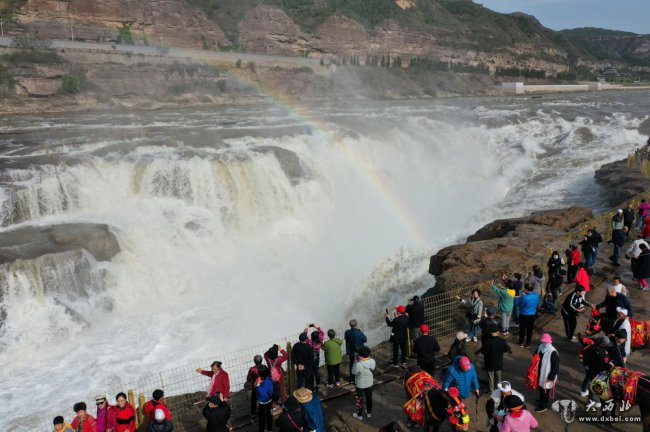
[
  {"x": 621, "y": 340},
  {"x": 363, "y": 380},
  {"x": 333, "y": 359},
  {"x": 518, "y": 418}
]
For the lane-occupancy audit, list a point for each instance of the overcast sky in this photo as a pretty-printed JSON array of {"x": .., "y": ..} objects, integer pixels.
[{"x": 628, "y": 15}]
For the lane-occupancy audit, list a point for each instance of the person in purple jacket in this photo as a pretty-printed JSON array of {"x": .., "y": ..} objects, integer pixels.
[{"x": 316, "y": 342}]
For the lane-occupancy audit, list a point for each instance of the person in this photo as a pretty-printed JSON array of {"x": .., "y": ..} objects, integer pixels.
[
  {"x": 549, "y": 366},
  {"x": 587, "y": 248},
  {"x": 488, "y": 320},
  {"x": 217, "y": 414},
  {"x": 459, "y": 348},
  {"x": 617, "y": 242},
  {"x": 535, "y": 279},
  {"x": 582, "y": 277},
  {"x": 595, "y": 322},
  {"x": 617, "y": 220},
  {"x": 462, "y": 374},
  {"x": 573, "y": 257},
  {"x": 618, "y": 286},
  {"x": 354, "y": 340},
  {"x": 516, "y": 285},
  {"x": 596, "y": 240},
  {"x": 263, "y": 386},
  {"x": 573, "y": 305},
  {"x": 643, "y": 266},
  {"x": 622, "y": 323},
  {"x": 160, "y": 422},
  {"x": 554, "y": 264},
  {"x": 155, "y": 403},
  {"x": 425, "y": 348},
  {"x": 251, "y": 378},
  {"x": 527, "y": 303},
  {"x": 495, "y": 406},
  {"x": 312, "y": 409},
  {"x": 633, "y": 253},
  {"x": 274, "y": 358},
  {"x": 363, "y": 381},
  {"x": 105, "y": 417},
  {"x": 493, "y": 350},
  {"x": 595, "y": 360},
  {"x": 506, "y": 302},
  {"x": 219, "y": 380},
  {"x": 612, "y": 301},
  {"x": 302, "y": 355},
  {"x": 60, "y": 425},
  {"x": 473, "y": 313},
  {"x": 291, "y": 418},
  {"x": 333, "y": 358},
  {"x": 415, "y": 312},
  {"x": 628, "y": 216},
  {"x": 315, "y": 341},
  {"x": 399, "y": 334},
  {"x": 125, "y": 414},
  {"x": 554, "y": 286},
  {"x": 619, "y": 355},
  {"x": 518, "y": 418},
  {"x": 83, "y": 422},
  {"x": 642, "y": 213}
]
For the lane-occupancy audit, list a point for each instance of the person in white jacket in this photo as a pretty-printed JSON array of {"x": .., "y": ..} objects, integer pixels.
[{"x": 363, "y": 380}]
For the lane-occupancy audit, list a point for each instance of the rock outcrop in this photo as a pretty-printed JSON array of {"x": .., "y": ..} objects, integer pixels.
[
  {"x": 503, "y": 245},
  {"x": 32, "y": 242},
  {"x": 621, "y": 181}
]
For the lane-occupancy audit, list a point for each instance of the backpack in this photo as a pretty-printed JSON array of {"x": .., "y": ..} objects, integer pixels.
[
  {"x": 533, "y": 371},
  {"x": 549, "y": 306},
  {"x": 275, "y": 373}
]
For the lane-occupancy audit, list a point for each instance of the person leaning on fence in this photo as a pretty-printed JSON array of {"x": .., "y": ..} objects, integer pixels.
[
  {"x": 415, "y": 312},
  {"x": 495, "y": 406},
  {"x": 315, "y": 340},
  {"x": 333, "y": 358},
  {"x": 219, "y": 382},
  {"x": 83, "y": 422},
  {"x": 425, "y": 348},
  {"x": 251, "y": 378},
  {"x": 574, "y": 304},
  {"x": 264, "y": 389},
  {"x": 473, "y": 313},
  {"x": 274, "y": 358},
  {"x": 399, "y": 334},
  {"x": 105, "y": 417},
  {"x": 302, "y": 355},
  {"x": 160, "y": 423},
  {"x": 217, "y": 414},
  {"x": 60, "y": 425},
  {"x": 125, "y": 414},
  {"x": 506, "y": 302},
  {"x": 354, "y": 341},
  {"x": 363, "y": 381}
]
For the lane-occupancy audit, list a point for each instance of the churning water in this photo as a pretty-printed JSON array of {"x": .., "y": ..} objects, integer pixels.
[{"x": 239, "y": 225}]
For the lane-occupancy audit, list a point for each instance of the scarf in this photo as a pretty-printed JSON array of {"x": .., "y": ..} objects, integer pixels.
[{"x": 543, "y": 348}]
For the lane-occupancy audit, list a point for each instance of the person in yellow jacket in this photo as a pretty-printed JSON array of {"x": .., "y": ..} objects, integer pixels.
[{"x": 60, "y": 425}]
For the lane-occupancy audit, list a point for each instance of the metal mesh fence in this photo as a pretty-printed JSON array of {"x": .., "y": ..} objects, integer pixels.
[{"x": 185, "y": 389}]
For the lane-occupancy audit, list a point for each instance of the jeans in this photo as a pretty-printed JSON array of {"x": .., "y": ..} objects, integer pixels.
[
  {"x": 364, "y": 395},
  {"x": 515, "y": 313},
  {"x": 586, "y": 385},
  {"x": 617, "y": 253},
  {"x": 505, "y": 321},
  {"x": 526, "y": 323},
  {"x": 494, "y": 377},
  {"x": 352, "y": 358},
  {"x": 415, "y": 333},
  {"x": 472, "y": 329}
]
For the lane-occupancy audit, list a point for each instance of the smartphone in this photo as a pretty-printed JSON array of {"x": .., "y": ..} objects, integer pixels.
[{"x": 386, "y": 310}]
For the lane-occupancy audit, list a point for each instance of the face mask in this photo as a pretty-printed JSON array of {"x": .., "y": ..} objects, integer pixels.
[{"x": 555, "y": 257}]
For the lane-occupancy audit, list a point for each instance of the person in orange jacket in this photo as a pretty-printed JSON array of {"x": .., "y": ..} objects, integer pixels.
[{"x": 155, "y": 403}]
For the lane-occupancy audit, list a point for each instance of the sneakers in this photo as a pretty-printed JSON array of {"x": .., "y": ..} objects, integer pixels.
[
  {"x": 403, "y": 365},
  {"x": 330, "y": 385},
  {"x": 475, "y": 339},
  {"x": 528, "y": 346},
  {"x": 368, "y": 415},
  {"x": 469, "y": 339},
  {"x": 357, "y": 416},
  {"x": 338, "y": 384},
  {"x": 540, "y": 409},
  {"x": 574, "y": 339},
  {"x": 521, "y": 344},
  {"x": 505, "y": 333},
  {"x": 584, "y": 393}
]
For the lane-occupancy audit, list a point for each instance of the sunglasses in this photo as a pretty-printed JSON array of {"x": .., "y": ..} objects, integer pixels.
[{"x": 100, "y": 402}]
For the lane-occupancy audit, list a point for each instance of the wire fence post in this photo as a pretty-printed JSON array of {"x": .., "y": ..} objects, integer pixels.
[{"x": 291, "y": 373}]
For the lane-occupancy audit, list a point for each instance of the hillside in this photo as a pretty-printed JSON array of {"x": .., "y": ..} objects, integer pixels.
[{"x": 453, "y": 31}]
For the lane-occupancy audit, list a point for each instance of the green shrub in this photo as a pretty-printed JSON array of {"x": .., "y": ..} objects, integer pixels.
[
  {"x": 221, "y": 85},
  {"x": 124, "y": 35},
  {"x": 34, "y": 56},
  {"x": 71, "y": 84},
  {"x": 238, "y": 63}
]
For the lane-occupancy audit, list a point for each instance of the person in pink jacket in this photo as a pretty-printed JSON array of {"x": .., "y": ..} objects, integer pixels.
[
  {"x": 518, "y": 418},
  {"x": 316, "y": 342},
  {"x": 274, "y": 358}
]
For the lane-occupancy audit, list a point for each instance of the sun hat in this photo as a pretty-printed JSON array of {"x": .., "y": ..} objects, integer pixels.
[
  {"x": 461, "y": 335},
  {"x": 302, "y": 395},
  {"x": 546, "y": 338}
]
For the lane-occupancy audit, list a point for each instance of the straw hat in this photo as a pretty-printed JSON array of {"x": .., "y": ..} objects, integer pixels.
[{"x": 302, "y": 395}]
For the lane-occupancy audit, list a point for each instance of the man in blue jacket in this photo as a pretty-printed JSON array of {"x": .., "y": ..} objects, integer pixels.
[
  {"x": 463, "y": 375},
  {"x": 527, "y": 304},
  {"x": 264, "y": 389},
  {"x": 354, "y": 341}
]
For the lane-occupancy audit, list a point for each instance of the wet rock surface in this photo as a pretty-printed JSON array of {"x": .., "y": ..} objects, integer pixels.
[{"x": 621, "y": 181}]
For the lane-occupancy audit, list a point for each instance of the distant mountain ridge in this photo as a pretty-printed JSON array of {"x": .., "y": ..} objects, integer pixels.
[{"x": 455, "y": 31}]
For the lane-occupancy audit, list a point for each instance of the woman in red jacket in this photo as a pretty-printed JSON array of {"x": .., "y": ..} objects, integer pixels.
[
  {"x": 124, "y": 414},
  {"x": 220, "y": 382}
]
